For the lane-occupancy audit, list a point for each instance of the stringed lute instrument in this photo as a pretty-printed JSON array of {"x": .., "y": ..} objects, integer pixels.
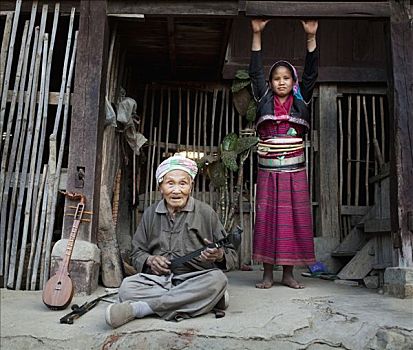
[{"x": 58, "y": 291}]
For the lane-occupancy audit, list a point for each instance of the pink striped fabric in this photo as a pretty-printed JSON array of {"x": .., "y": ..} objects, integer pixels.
[{"x": 283, "y": 233}]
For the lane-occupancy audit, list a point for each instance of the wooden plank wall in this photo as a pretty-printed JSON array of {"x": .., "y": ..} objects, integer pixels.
[{"x": 351, "y": 50}]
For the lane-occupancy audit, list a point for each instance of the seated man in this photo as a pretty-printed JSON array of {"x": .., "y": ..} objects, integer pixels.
[{"x": 174, "y": 227}]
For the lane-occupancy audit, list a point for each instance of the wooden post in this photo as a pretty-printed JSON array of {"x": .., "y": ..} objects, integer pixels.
[
  {"x": 401, "y": 147},
  {"x": 88, "y": 115},
  {"x": 329, "y": 200}
]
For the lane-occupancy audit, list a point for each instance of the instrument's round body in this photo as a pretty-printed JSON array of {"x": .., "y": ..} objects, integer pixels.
[{"x": 58, "y": 291}]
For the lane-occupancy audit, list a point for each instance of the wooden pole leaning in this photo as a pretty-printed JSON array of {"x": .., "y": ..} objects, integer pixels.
[
  {"x": 59, "y": 160},
  {"x": 5, "y": 155},
  {"x": 34, "y": 236},
  {"x": 5, "y": 80},
  {"x": 32, "y": 134},
  {"x": 19, "y": 132},
  {"x": 39, "y": 164},
  {"x": 5, "y": 46},
  {"x": 53, "y": 148},
  {"x": 32, "y": 169},
  {"x": 13, "y": 101},
  {"x": 11, "y": 227}
]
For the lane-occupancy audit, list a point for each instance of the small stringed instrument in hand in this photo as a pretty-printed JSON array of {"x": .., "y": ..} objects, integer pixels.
[{"x": 58, "y": 291}]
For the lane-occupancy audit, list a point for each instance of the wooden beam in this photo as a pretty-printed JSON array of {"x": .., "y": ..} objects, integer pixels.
[
  {"x": 65, "y": 6},
  {"x": 178, "y": 8},
  {"x": 317, "y": 9},
  {"x": 88, "y": 112},
  {"x": 328, "y": 168},
  {"x": 401, "y": 145},
  {"x": 326, "y": 74},
  {"x": 377, "y": 226},
  {"x": 53, "y": 97},
  {"x": 171, "y": 44},
  {"x": 354, "y": 210}
]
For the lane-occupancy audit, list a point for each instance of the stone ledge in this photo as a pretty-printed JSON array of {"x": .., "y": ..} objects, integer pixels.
[
  {"x": 83, "y": 267},
  {"x": 398, "y": 282}
]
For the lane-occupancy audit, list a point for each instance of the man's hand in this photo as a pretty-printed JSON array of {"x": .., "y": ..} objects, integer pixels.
[
  {"x": 212, "y": 254},
  {"x": 158, "y": 264}
]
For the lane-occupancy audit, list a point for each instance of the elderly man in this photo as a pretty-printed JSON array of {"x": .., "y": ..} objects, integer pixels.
[{"x": 171, "y": 228}]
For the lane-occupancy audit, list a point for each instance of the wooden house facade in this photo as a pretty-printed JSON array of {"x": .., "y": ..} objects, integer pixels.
[{"x": 174, "y": 62}]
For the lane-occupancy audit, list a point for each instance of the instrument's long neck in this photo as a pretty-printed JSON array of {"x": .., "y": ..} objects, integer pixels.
[{"x": 75, "y": 228}]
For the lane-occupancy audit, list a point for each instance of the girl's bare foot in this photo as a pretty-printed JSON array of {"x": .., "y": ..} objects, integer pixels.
[
  {"x": 265, "y": 284},
  {"x": 288, "y": 278},
  {"x": 267, "y": 279},
  {"x": 292, "y": 283}
]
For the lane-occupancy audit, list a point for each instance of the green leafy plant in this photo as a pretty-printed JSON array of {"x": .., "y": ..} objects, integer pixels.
[
  {"x": 242, "y": 96},
  {"x": 231, "y": 156}
]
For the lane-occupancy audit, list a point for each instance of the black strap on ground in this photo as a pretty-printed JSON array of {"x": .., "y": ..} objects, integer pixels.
[{"x": 81, "y": 310}]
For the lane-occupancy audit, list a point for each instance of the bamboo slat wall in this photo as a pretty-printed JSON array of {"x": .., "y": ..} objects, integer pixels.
[
  {"x": 29, "y": 182},
  {"x": 363, "y": 150}
]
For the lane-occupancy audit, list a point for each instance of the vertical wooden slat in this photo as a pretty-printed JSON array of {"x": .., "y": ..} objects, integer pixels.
[
  {"x": 214, "y": 105},
  {"x": 178, "y": 142},
  {"x": 349, "y": 128},
  {"x": 205, "y": 116},
  {"x": 366, "y": 179},
  {"x": 383, "y": 128},
  {"x": 232, "y": 174},
  {"x": 152, "y": 166},
  {"x": 5, "y": 80},
  {"x": 14, "y": 216},
  {"x": 40, "y": 238},
  {"x": 168, "y": 122},
  {"x": 194, "y": 124},
  {"x": 53, "y": 154},
  {"x": 329, "y": 201},
  {"x": 358, "y": 141},
  {"x": 46, "y": 105},
  {"x": 5, "y": 47},
  {"x": 194, "y": 139},
  {"x": 340, "y": 193},
  {"x": 33, "y": 159},
  {"x": 158, "y": 158},
  {"x": 19, "y": 133},
  {"x": 115, "y": 74},
  {"x": 188, "y": 121},
  {"x": 35, "y": 237},
  {"x": 110, "y": 59},
  {"x": 5, "y": 155},
  {"x": 59, "y": 160},
  {"x": 201, "y": 101},
  {"x": 313, "y": 150},
  {"x": 151, "y": 146},
  {"x": 373, "y": 104},
  {"x": 223, "y": 101}
]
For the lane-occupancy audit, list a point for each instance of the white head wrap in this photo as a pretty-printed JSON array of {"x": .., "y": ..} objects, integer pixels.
[{"x": 177, "y": 162}]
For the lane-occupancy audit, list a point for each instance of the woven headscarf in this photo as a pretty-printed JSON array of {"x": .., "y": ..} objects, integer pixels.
[
  {"x": 176, "y": 163},
  {"x": 296, "y": 87}
]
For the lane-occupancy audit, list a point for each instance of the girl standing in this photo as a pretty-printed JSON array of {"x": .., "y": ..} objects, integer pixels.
[{"x": 283, "y": 232}]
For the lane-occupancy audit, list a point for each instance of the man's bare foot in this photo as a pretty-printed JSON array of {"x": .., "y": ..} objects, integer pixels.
[
  {"x": 265, "y": 284},
  {"x": 292, "y": 283}
]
